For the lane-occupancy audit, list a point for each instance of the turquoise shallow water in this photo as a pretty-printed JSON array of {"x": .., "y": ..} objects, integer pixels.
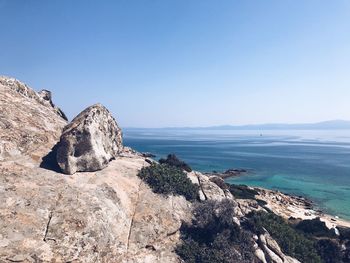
[{"x": 315, "y": 164}]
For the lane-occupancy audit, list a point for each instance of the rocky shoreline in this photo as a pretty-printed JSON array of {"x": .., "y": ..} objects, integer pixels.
[
  {"x": 288, "y": 206},
  {"x": 297, "y": 207}
]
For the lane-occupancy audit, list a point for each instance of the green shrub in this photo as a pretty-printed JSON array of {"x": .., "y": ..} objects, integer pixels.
[
  {"x": 213, "y": 237},
  {"x": 172, "y": 160},
  {"x": 165, "y": 179},
  {"x": 329, "y": 251},
  {"x": 291, "y": 241},
  {"x": 315, "y": 227},
  {"x": 344, "y": 239},
  {"x": 344, "y": 233},
  {"x": 261, "y": 202},
  {"x": 242, "y": 191}
]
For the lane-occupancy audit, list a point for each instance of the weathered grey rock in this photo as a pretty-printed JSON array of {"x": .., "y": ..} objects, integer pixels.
[
  {"x": 273, "y": 251},
  {"x": 260, "y": 255},
  {"x": 29, "y": 125},
  {"x": 210, "y": 190},
  {"x": 89, "y": 142},
  {"x": 43, "y": 97},
  {"x": 247, "y": 205},
  {"x": 46, "y": 98},
  {"x": 106, "y": 216},
  {"x": 194, "y": 179}
]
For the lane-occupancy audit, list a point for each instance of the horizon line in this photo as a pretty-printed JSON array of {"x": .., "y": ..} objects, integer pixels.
[{"x": 334, "y": 121}]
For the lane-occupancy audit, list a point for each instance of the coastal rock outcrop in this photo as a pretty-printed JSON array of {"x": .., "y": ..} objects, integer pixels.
[
  {"x": 110, "y": 215},
  {"x": 106, "y": 216},
  {"x": 89, "y": 142},
  {"x": 44, "y": 97},
  {"x": 29, "y": 123}
]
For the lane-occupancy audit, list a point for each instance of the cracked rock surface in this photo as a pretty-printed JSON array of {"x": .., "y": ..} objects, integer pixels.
[{"x": 106, "y": 216}]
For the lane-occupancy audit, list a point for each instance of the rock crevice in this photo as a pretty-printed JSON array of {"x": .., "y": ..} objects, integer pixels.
[
  {"x": 48, "y": 227},
  {"x": 133, "y": 217}
]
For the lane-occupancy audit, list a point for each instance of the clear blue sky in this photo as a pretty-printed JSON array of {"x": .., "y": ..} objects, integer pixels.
[{"x": 157, "y": 63}]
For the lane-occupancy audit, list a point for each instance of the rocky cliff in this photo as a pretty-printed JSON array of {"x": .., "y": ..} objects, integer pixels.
[
  {"x": 30, "y": 124},
  {"x": 108, "y": 215}
]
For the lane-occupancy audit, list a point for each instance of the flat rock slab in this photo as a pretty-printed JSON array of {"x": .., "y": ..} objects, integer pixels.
[{"x": 103, "y": 216}]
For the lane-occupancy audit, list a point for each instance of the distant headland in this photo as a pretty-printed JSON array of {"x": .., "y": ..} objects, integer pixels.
[{"x": 325, "y": 125}]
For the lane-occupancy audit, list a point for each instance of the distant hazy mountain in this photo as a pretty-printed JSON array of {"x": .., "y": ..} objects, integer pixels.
[{"x": 326, "y": 125}]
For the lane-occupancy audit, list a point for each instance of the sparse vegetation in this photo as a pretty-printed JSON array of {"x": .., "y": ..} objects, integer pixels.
[
  {"x": 344, "y": 233},
  {"x": 172, "y": 160},
  {"x": 166, "y": 179},
  {"x": 238, "y": 191},
  {"x": 291, "y": 241},
  {"x": 242, "y": 191},
  {"x": 213, "y": 237},
  {"x": 262, "y": 203},
  {"x": 315, "y": 227},
  {"x": 329, "y": 251}
]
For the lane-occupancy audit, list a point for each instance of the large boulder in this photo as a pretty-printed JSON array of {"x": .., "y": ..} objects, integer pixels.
[{"x": 89, "y": 142}]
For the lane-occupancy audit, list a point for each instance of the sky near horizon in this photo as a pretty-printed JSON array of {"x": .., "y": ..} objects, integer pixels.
[{"x": 161, "y": 63}]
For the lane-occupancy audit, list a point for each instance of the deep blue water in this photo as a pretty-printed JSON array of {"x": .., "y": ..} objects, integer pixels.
[{"x": 315, "y": 164}]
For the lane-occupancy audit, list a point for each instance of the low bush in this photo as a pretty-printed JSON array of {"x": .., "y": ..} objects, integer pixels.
[
  {"x": 213, "y": 237},
  {"x": 165, "y": 179},
  {"x": 261, "y": 202},
  {"x": 242, "y": 191},
  {"x": 329, "y": 251},
  {"x": 291, "y": 241},
  {"x": 172, "y": 160},
  {"x": 315, "y": 227},
  {"x": 344, "y": 239},
  {"x": 344, "y": 233}
]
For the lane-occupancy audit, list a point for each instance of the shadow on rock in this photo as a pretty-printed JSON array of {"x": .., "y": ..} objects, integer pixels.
[{"x": 49, "y": 161}]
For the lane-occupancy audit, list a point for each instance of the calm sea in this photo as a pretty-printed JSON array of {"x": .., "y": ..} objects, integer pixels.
[{"x": 315, "y": 164}]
